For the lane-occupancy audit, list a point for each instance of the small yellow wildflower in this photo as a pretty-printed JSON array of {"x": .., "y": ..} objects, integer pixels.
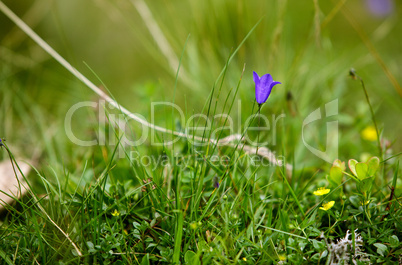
[
  {"x": 327, "y": 206},
  {"x": 193, "y": 225},
  {"x": 244, "y": 259},
  {"x": 116, "y": 213},
  {"x": 282, "y": 257},
  {"x": 367, "y": 202},
  {"x": 321, "y": 191},
  {"x": 369, "y": 133}
]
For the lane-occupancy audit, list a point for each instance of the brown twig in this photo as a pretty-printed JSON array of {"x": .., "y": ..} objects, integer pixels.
[{"x": 391, "y": 196}]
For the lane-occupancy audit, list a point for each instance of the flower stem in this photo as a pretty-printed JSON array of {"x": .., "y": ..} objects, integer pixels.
[
  {"x": 352, "y": 72},
  {"x": 354, "y": 76},
  {"x": 258, "y": 132}
]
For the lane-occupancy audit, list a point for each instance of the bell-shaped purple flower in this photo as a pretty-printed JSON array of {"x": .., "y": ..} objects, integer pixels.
[
  {"x": 263, "y": 87},
  {"x": 381, "y": 8}
]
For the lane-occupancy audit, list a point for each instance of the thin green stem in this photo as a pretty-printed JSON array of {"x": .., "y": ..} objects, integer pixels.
[
  {"x": 259, "y": 123},
  {"x": 352, "y": 72},
  {"x": 372, "y": 116}
]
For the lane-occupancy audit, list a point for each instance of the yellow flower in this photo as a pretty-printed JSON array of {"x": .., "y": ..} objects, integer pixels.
[
  {"x": 282, "y": 257},
  {"x": 244, "y": 259},
  {"x": 193, "y": 225},
  {"x": 321, "y": 191},
  {"x": 367, "y": 202},
  {"x": 327, "y": 206},
  {"x": 116, "y": 213},
  {"x": 369, "y": 133}
]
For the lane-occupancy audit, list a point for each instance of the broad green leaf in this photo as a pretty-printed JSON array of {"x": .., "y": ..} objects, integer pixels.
[
  {"x": 145, "y": 260},
  {"x": 352, "y": 166},
  {"x": 398, "y": 252},
  {"x": 335, "y": 175},
  {"x": 316, "y": 257},
  {"x": 366, "y": 184},
  {"x": 393, "y": 241},
  {"x": 381, "y": 249},
  {"x": 202, "y": 246},
  {"x": 90, "y": 245},
  {"x": 361, "y": 170},
  {"x": 373, "y": 164},
  {"x": 190, "y": 257},
  {"x": 318, "y": 246},
  {"x": 355, "y": 200},
  {"x": 308, "y": 222}
]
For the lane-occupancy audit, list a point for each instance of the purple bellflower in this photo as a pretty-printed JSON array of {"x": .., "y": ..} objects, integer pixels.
[
  {"x": 263, "y": 87},
  {"x": 381, "y": 8}
]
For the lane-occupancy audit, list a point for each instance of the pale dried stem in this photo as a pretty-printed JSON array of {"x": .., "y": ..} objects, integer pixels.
[{"x": 265, "y": 152}]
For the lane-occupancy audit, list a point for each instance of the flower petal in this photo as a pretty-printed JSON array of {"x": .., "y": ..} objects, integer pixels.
[
  {"x": 327, "y": 206},
  {"x": 256, "y": 78},
  {"x": 265, "y": 92},
  {"x": 274, "y": 84},
  {"x": 266, "y": 80},
  {"x": 321, "y": 191}
]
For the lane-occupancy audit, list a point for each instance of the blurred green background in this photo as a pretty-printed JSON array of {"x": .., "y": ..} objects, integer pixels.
[{"x": 309, "y": 46}]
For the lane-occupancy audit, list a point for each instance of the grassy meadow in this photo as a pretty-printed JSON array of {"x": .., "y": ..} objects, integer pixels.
[{"x": 152, "y": 149}]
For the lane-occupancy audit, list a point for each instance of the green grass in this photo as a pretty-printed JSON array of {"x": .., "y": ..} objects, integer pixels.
[{"x": 160, "y": 203}]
